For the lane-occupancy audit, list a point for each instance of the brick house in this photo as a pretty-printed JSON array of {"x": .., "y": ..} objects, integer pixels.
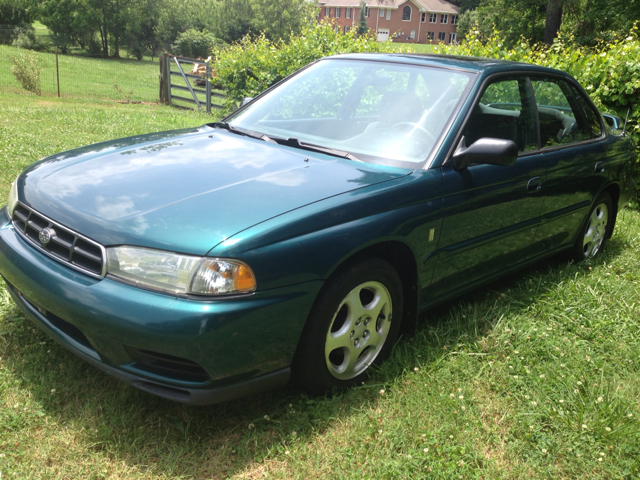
[{"x": 406, "y": 21}]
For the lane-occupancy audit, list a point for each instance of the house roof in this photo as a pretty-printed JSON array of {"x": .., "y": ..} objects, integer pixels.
[{"x": 439, "y": 6}]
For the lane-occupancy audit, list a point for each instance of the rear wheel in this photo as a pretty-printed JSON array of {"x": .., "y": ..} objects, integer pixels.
[
  {"x": 353, "y": 325},
  {"x": 593, "y": 235}
]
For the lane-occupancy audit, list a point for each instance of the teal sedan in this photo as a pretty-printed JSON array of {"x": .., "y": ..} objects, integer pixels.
[{"x": 297, "y": 238}]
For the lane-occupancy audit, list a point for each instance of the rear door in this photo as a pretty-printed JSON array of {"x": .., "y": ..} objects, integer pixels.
[{"x": 571, "y": 136}]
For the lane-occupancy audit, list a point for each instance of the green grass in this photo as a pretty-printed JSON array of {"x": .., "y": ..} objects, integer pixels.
[
  {"x": 84, "y": 77},
  {"x": 535, "y": 376}
]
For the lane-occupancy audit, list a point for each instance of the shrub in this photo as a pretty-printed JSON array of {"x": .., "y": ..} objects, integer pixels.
[
  {"x": 26, "y": 38},
  {"x": 254, "y": 64},
  {"x": 26, "y": 68},
  {"x": 194, "y": 43}
]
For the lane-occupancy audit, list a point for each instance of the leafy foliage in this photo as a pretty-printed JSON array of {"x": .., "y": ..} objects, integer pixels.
[
  {"x": 253, "y": 65},
  {"x": 282, "y": 19},
  {"x": 194, "y": 43},
  {"x": 26, "y": 69}
]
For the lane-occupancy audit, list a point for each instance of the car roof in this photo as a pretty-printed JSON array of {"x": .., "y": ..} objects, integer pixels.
[{"x": 472, "y": 64}]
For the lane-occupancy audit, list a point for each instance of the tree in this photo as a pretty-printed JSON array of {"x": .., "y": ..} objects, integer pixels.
[
  {"x": 232, "y": 20},
  {"x": 281, "y": 19},
  {"x": 16, "y": 13},
  {"x": 362, "y": 28},
  {"x": 553, "y": 20}
]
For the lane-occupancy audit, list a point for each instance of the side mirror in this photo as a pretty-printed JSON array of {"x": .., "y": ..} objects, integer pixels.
[
  {"x": 245, "y": 100},
  {"x": 614, "y": 122},
  {"x": 491, "y": 151}
]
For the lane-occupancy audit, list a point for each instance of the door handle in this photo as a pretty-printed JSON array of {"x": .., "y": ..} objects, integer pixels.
[
  {"x": 600, "y": 167},
  {"x": 534, "y": 184}
]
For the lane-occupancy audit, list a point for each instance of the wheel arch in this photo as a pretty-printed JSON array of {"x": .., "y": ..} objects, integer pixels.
[{"x": 402, "y": 259}]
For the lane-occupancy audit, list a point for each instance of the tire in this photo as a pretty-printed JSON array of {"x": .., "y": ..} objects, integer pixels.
[
  {"x": 353, "y": 325},
  {"x": 596, "y": 229}
]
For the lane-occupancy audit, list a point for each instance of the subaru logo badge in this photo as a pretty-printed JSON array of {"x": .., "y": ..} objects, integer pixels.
[{"x": 45, "y": 235}]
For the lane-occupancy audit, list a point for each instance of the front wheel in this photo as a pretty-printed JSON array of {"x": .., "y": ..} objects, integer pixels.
[
  {"x": 353, "y": 325},
  {"x": 594, "y": 232}
]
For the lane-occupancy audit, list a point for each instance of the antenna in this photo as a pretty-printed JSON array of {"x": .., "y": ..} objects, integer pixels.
[{"x": 625, "y": 122}]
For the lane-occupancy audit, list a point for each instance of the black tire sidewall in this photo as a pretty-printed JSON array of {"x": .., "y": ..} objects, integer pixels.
[{"x": 309, "y": 368}]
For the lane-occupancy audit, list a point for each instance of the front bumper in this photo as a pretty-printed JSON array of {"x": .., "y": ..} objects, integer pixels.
[{"x": 190, "y": 351}]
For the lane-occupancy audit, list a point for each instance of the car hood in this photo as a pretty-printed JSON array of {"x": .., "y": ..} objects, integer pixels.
[{"x": 187, "y": 190}]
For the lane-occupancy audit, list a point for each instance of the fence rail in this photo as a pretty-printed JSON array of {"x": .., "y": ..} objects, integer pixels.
[{"x": 174, "y": 80}]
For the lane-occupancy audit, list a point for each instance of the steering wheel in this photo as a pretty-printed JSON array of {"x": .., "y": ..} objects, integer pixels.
[{"x": 414, "y": 126}]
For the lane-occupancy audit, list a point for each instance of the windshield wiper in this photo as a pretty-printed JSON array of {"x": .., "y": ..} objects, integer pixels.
[
  {"x": 241, "y": 131},
  {"x": 296, "y": 143}
]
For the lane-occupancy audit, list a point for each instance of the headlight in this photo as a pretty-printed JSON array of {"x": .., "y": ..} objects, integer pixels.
[
  {"x": 12, "y": 201},
  {"x": 175, "y": 273}
]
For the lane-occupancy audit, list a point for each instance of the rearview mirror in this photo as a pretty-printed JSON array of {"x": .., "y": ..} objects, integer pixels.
[{"x": 491, "y": 151}]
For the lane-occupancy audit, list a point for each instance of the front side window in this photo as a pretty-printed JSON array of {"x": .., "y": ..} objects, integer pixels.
[
  {"x": 327, "y": 12},
  {"x": 384, "y": 113},
  {"x": 505, "y": 111},
  {"x": 442, "y": 36},
  {"x": 366, "y": 11},
  {"x": 560, "y": 115},
  {"x": 381, "y": 12},
  {"x": 388, "y": 14},
  {"x": 406, "y": 13},
  {"x": 454, "y": 19},
  {"x": 433, "y": 18},
  {"x": 347, "y": 12},
  {"x": 412, "y": 35},
  {"x": 431, "y": 35},
  {"x": 337, "y": 12},
  {"x": 423, "y": 17},
  {"x": 453, "y": 38},
  {"x": 444, "y": 18},
  {"x": 346, "y": 29}
]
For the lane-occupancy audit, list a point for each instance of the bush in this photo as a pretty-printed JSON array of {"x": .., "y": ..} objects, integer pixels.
[
  {"x": 26, "y": 38},
  {"x": 254, "y": 64},
  {"x": 194, "y": 43},
  {"x": 26, "y": 68}
]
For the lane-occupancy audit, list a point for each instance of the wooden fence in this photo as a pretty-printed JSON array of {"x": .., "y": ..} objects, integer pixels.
[{"x": 188, "y": 80}]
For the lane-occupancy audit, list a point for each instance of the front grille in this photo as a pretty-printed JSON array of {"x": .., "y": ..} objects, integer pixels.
[{"x": 64, "y": 245}]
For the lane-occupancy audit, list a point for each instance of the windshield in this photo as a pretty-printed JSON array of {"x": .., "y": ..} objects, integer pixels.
[{"x": 386, "y": 113}]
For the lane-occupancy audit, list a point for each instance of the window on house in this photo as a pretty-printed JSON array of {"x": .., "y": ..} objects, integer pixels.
[
  {"x": 454, "y": 19},
  {"x": 453, "y": 38},
  {"x": 443, "y": 18},
  {"x": 346, "y": 29},
  {"x": 442, "y": 36},
  {"x": 406, "y": 13},
  {"x": 381, "y": 12},
  {"x": 431, "y": 35},
  {"x": 412, "y": 35},
  {"x": 337, "y": 28},
  {"x": 388, "y": 14},
  {"x": 337, "y": 12},
  {"x": 327, "y": 12},
  {"x": 433, "y": 17},
  {"x": 347, "y": 12},
  {"x": 366, "y": 11},
  {"x": 423, "y": 17}
]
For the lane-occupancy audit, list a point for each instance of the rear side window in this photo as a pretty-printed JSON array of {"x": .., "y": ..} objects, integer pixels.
[
  {"x": 562, "y": 118},
  {"x": 592, "y": 116}
]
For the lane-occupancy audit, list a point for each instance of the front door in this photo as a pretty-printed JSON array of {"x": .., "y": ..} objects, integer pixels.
[{"x": 491, "y": 212}]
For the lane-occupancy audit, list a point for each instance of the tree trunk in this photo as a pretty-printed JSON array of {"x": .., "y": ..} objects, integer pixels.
[{"x": 553, "y": 21}]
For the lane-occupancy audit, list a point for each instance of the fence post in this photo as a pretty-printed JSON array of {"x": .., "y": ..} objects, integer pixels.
[
  {"x": 208, "y": 86},
  {"x": 162, "y": 87},
  {"x": 167, "y": 72},
  {"x": 57, "y": 72}
]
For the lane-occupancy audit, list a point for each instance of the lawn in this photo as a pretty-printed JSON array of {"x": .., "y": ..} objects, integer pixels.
[{"x": 534, "y": 376}]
